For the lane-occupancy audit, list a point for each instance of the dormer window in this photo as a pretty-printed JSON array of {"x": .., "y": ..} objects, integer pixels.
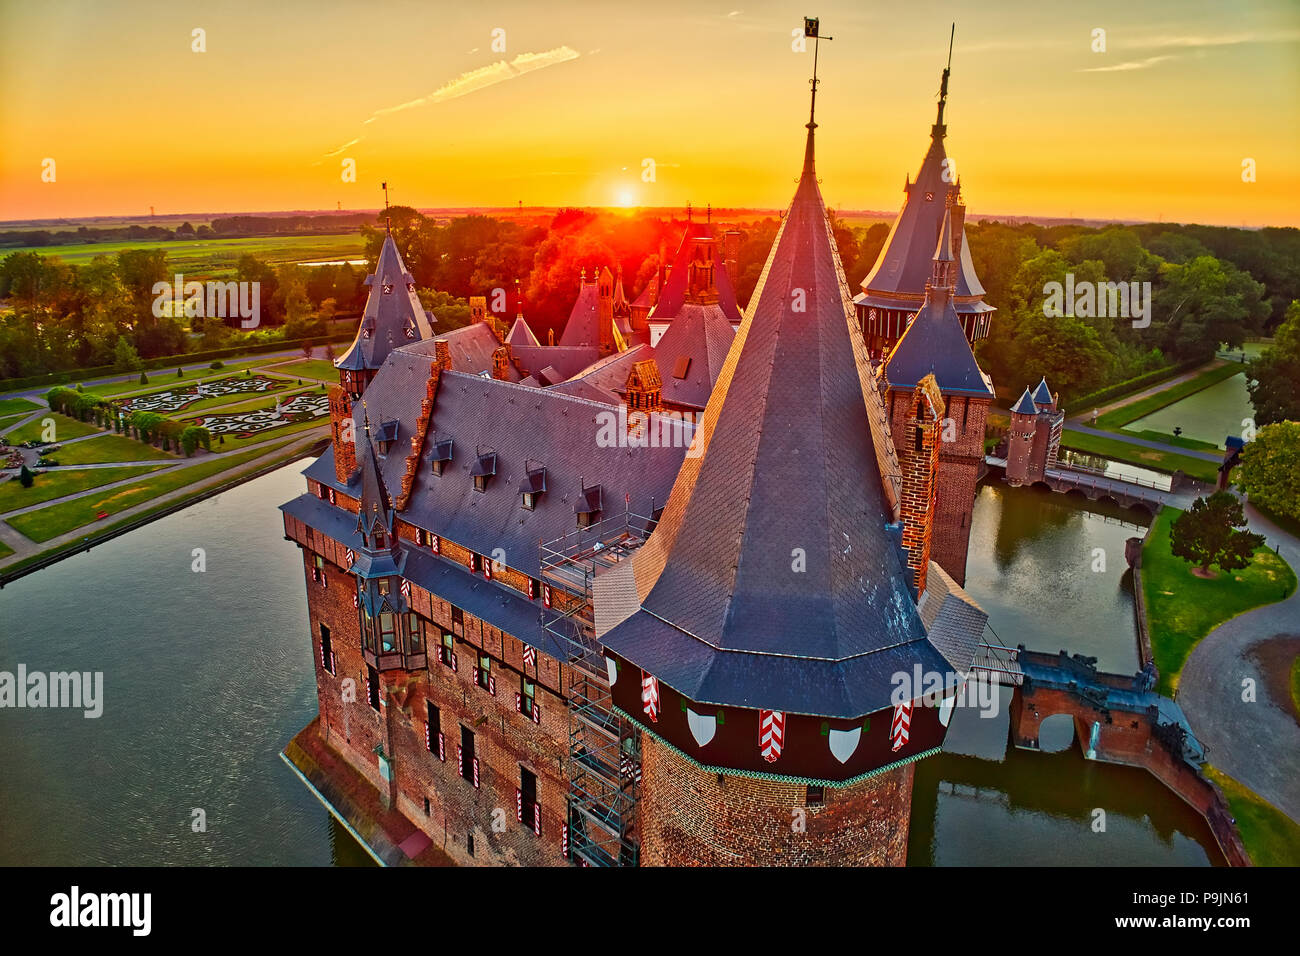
[
  {"x": 485, "y": 468},
  {"x": 441, "y": 455},
  {"x": 532, "y": 487},
  {"x": 385, "y": 435},
  {"x": 588, "y": 505}
]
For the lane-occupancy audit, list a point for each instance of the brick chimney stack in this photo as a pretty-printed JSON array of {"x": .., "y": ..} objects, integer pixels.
[
  {"x": 342, "y": 434},
  {"x": 918, "y": 456},
  {"x": 605, "y": 310},
  {"x": 501, "y": 363},
  {"x": 442, "y": 353}
]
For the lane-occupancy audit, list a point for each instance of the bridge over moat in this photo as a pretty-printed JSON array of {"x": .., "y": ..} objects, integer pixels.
[{"x": 1135, "y": 493}]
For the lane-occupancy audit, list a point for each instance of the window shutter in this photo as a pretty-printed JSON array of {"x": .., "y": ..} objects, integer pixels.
[
  {"x": 460, "y": 759},
  {"x": 455, "y": 665},
  {"x": 537, "y": 713},
  {"x": 537, "y": 818},
  {"x": 476, "y": 773},
  {"x": 492, "y": 684},
  {"x": 519, "y": 703},
  {"x": 428, "y": 736},
  {"x": 519, "y": 805},
  {"x": 434, "y": 543},
  {"x": 442, "y": 747},
  {"x": 564, "y": 841}
]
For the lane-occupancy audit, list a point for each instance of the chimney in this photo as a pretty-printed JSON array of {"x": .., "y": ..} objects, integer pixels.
[
  {"x": 918, "y": 456},
  {"x": 501, "y": 363},
  {"x": 645, "y": 388},
  {"x": 731, "y": 256},
  {"x": 442, "y": 353},
  {"x": 605, "y": 310},
  {"x": 342, "y": 434}
]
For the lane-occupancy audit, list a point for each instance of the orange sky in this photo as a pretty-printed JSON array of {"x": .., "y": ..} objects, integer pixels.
[{"x": 1156, "y": 127}]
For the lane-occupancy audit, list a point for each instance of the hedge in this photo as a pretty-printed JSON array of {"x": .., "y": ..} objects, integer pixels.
[{"x": 1127, "y": 387}]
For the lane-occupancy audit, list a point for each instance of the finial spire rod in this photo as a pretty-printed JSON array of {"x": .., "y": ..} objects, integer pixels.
[
  {"x": 943, "y": 83},
  {"x": 812, "y": 28},
  {"x": 388, "y": 222}
]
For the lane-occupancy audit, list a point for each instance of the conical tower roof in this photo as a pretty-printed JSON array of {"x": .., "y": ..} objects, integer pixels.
[
  {"x": 393, "y": 315},
  {"x": 934, "y": 343},
  {"x": 903, "y": 265},
  {"x": 1043, "y": 394},
  {"x": 1025, "y": 405},
  {"x": 773, "y": 579}
]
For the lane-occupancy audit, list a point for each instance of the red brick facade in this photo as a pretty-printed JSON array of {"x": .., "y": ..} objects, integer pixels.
[
  {"x": 688, "y": 816},
  {"x": 961, "y": 453},
  {"x": 504, "y": 739}
]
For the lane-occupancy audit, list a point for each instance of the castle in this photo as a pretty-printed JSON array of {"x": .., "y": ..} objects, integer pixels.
[{"x": 685, "y": 650}]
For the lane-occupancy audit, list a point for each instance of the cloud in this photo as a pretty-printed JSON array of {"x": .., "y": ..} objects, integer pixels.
[
  {"x": 1227, "y": 39},
  {"x": 473, "y": 81},
  {"x": 1130, "y": 65},
  {"x": 483, "y": 77}
]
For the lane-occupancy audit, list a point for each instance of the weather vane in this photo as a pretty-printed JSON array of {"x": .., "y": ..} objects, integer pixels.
[{"x": 812, "y": 28}]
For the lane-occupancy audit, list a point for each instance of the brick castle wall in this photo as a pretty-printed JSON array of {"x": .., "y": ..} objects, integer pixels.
[{"x": 691, "y": 817}]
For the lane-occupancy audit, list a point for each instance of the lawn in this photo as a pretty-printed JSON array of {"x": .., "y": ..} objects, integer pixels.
[
  {"x": 1178, "y": 441},
  {"x": 1295, "y": 685},
  {"x": 1131, "y": 412},
  {"x": 319, "y": 369},
  {"x": 1119, "y": 450},
  {"x": 58, "y": 519},
  {"x": 1182, "y": 608},
  {"x": 56, "y": 484},
  {"x": 1271, "y": 837},
  {"x": 9, "y": 406},
  {"x": 11, "y": 420},
  {"x": 5, "y": 550},
  {"x": 108, "y": 448},
  {"x": 64, "y": 428},
  {"x": 217, "y": 258}
]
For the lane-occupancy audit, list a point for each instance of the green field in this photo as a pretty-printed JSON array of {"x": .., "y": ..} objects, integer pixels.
[
  {"x": 1119, "y": 450},
  {"x": 1119, "y": 417},
  {"x": 11, "y": 420},
  {"x": 1182, "y": 608},
  {"x": 1271, "y": 837},
  {"x": 319, "y": 369},
  {"x": 163, "y": 379},
  {"x": 58, "y": 519},
  {"x": 10, "y": 406},
  {"x": 216, "y": 258},
  {"x": 5, "y": 550},
  {"x": 64, "y": 428},
  {"x": 106, "y": 448},
  {"x": 56, "y": 484}
]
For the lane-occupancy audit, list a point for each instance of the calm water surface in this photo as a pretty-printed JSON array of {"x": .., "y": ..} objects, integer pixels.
[{"x": 208, "y": 675}]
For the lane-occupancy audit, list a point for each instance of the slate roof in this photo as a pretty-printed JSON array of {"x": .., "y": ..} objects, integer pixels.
[
  {"x": 551, "y": 364},
  {"x": 521, "y": 334},
  {"x": 953, "y": 621},
  {"x": 673, "y": 295},
  {"x": 699, "y": 337},
  {"x": 904, "y": 263},
  {"x": 934, "y": 343},
  {"x": 472, "y": 347},
  {"x": 583, "y": 325},
  {"x": 387, "y": 316},
  {"x": 1043, "y": 394},
  {"x": 519, "y": 424},
  {"x": 606, "y": 379},
  {"x": 1025, "y": 406},
  {"x": 795, "y": 464}
]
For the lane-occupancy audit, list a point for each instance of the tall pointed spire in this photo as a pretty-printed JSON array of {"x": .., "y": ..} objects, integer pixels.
[{"x": 939, "y": 130}]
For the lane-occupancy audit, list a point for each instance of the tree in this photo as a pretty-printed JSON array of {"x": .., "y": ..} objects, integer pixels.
[
  {"x": 193, "y": 436},
  {"x": 1270, "y": 469},
  {"x": 1274, "y": 376},
  {"x": 1203, "y": 303},
  {"x": 26, "y": 478},
  {"x": 1212, "y": 531},
  {"x": 125, "y": 357}
]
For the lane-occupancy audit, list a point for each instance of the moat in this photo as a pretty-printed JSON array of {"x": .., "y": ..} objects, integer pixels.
[{"x": 208, "y": 675}]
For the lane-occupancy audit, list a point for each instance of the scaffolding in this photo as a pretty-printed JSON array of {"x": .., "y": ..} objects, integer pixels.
[{"x": 604, "y": 765}]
